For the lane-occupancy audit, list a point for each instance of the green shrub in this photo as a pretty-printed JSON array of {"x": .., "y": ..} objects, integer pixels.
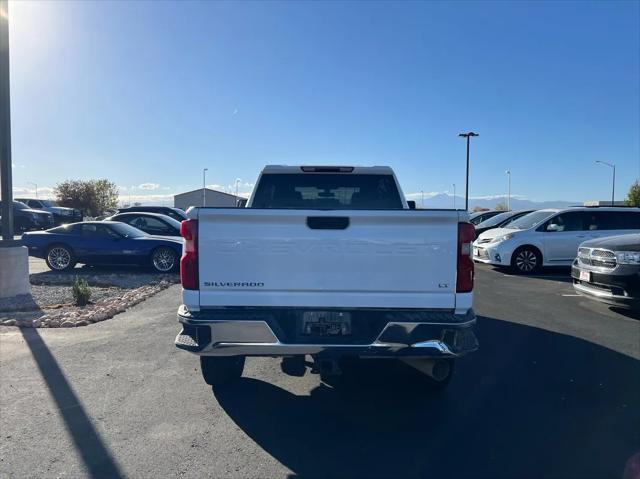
[{"x": 81, "y": 292}]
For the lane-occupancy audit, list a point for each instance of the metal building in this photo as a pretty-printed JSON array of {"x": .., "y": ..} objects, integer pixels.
[{"x": 212, "y": 198}]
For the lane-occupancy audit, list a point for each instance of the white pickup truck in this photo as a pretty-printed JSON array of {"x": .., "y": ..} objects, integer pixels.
[{"x": 327, "y": 262}]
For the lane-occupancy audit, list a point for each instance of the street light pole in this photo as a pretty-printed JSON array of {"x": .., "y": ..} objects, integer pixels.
[
  {"x": 454, "y": 196},
  {"x": 508, "y": 172},
  {"x": 14, "y": 258},
  {"x": 613, "y": 186},
  {"x": 34, "y": 184},
  {"x": 466, "y": 195},
  {"x": 6, "y": 187},
  {"x": 204, "y": 188}
]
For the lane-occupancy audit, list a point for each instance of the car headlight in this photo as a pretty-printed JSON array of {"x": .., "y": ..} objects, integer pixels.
[
  {"x": 499, "y": 239},
  {"x": 628, "y": 257}
]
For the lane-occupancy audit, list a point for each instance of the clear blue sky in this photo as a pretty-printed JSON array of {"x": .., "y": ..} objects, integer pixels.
[{"x": 150, "y": 93}]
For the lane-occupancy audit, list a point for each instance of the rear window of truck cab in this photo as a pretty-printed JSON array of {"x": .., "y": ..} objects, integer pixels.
[{"x": 327, "y": 191}]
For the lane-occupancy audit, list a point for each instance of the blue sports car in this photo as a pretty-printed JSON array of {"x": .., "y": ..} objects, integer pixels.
[{"x": 103, "y": 242}]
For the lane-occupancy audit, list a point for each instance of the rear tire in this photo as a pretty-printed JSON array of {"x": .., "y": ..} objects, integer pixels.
[
  {"x": 60, "y": 258},
  {"x": 526, "y": 260},
  {"x": 294, "y": 366},
  {"x": 221, "y": 371}
]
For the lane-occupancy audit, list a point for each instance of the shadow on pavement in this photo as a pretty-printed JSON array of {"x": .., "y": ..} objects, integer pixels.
[
  {"x": 628, "y": 313},
  {"x": 91, "y": 449},
  {"x": 530, "y": 403},
  {"x": 554, "y": 273}
]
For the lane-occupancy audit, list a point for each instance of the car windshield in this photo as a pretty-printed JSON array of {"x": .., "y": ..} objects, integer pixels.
[
  {"x": 47, "y": 203},
  {"x": 174, "y": 223},
  {"x": 64, "y": 229},
  {"x": 178, "y": 214},
  {"x": 20, "y": 205},
  {"x": 126, "y": 230},
  {"x": 496, "y": 220},
  {"x": 529, "y": 221}
]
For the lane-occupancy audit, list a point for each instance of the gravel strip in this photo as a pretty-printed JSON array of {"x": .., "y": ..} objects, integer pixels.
[
  {"x": 51, "y": 302},
  {"x": 122, "y": 280},
  {"x": 47, "y": 297},
  {"x": 71, "y": 316}
]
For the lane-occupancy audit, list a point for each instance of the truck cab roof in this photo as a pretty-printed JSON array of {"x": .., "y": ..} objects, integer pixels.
[{"x": 358, "y": 170}]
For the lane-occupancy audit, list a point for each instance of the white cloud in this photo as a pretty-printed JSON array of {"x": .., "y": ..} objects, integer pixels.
[
  {"x": 497, "y": 197},
  {"x": 427, "y": 194},
  {"x": 150, "y": 199},
  {"x": 215, "y": 186},
  {"x": 44, "y": 192},
  {"x": 149, "y": 186},
  {"x": 249, "y": 185}
]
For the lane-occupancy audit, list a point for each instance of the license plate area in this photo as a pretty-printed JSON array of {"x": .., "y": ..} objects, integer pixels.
[
  {"x": 585, "y": 276},
  {"x": 325, "y": 323}
]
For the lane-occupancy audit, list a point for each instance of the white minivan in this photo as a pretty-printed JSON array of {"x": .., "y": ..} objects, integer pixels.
[{"x": 551, "y": 237}]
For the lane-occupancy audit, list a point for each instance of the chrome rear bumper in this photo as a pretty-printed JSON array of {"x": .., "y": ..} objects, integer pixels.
[{"x": 446, "y": 336}]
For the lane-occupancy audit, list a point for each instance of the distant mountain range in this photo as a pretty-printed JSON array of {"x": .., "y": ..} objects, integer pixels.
[{"x": 443, "y": 200}]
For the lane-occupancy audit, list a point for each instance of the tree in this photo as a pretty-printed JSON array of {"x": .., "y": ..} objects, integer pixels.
[
  {"x": 479, "y": 208},
  {"x": 92, "y": 197},
  {"x": 106, "y": 194},
  {"x": 633, "y": 197},
  {"x": 502, "y": 206}
]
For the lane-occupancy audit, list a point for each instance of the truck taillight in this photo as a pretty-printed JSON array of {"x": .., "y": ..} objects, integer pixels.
[
  {"x": 189, "y": 260},
  {"x": 466, "y": 235}
]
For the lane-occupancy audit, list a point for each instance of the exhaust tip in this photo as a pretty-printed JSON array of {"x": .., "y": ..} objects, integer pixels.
[{"x": 441, "y": 370}]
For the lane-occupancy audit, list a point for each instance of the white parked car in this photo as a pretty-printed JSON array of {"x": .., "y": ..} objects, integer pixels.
[{"x": 551, "y": 237}]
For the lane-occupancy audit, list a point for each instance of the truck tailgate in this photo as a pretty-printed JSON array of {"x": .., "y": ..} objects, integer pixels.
[{"x": 302, "y": 258}]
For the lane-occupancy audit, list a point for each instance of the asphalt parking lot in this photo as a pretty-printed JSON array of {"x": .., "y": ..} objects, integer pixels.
[{"x": 553, "y": 392}]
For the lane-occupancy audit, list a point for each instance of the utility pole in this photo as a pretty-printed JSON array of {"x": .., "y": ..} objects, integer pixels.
[
  {"x": 466, "y": 195},
  {"x": 613, "y": 185},
  {"x": 508, "y": 172},
  {"x": 204, "y": 188}
]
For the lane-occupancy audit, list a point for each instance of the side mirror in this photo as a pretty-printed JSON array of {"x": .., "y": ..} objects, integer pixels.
[
  {"x": 412, "y": 204},
  {"x": 553, "y": 227}
]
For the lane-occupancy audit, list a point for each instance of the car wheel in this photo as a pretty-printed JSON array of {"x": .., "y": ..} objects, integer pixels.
[
  {"x": 60, "y": 258},
  {"x": 164, "y": 259},
  {"x": 526, "y": 261},
  {"x": 221, "y": 371}
]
